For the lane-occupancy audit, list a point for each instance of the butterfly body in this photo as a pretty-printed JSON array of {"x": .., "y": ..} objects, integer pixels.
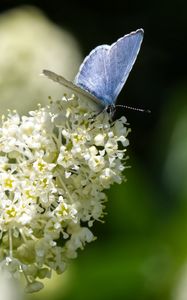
[{"x": 105, "y": 70}]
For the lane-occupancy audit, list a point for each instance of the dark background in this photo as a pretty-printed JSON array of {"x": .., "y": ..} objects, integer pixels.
[
  {"x": 142, "y": 248},
  {"x": 161, "y": 64}
]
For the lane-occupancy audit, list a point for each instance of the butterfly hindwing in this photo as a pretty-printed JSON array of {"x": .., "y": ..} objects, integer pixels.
[{"x": 92, "y": 76}]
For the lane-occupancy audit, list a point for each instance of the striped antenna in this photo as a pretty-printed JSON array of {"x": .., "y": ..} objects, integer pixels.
[{"x": 134, "y": 108}]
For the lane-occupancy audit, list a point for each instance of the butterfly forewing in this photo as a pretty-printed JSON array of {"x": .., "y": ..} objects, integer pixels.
[
  {"x": 121, "y": 58},
  {"x": 68, "y": 84}
]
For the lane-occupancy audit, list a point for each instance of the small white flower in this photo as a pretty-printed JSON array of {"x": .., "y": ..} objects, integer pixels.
[
  {"x": 99, "y": 139},
  {"x": 54, "y": 167},
  {"x": 96, "y": 163},
  {"x": 8, "y": 181}
]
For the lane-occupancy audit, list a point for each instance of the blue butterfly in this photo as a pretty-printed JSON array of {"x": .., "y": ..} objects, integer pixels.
[{"x": 105, "y": 70}]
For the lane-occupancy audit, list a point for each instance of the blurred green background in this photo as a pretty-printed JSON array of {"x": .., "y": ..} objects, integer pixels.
[{"x": 141, "y": 250}]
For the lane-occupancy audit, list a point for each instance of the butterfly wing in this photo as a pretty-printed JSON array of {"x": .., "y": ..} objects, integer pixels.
[
  {"x": 92, "y": 75},
  {"x": 61, "y": 80},
  {"x": 105, "y": 70}
]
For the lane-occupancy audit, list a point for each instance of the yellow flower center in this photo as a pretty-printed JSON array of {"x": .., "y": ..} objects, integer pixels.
[{"x": 8, "y": 183}]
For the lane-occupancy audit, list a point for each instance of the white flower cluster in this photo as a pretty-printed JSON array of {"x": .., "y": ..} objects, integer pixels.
[{"x": 54, "y": 165}]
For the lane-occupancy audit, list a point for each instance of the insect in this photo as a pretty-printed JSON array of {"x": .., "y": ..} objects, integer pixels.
[{"x": 105, "y": 70}]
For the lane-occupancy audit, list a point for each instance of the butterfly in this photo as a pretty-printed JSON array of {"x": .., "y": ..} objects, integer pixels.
[{"x": 105, "y": 70}]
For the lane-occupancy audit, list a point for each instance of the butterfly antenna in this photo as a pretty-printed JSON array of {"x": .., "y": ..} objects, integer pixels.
[{"x": 134, "y": 108}]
